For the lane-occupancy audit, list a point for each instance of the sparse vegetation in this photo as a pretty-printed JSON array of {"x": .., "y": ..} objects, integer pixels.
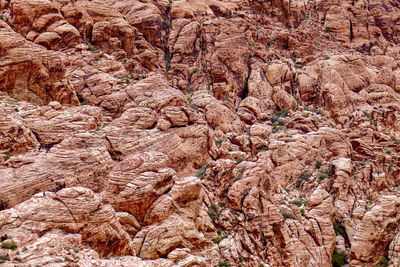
[
  {"x": 390, "y": 167},
  {"x": 239, "y": 160},
  {"x": 201, "y": 172},
  {"x": 218, "y": 142},
  {"x": 322, "y": 176},
  {"x": 9, "y": 245},
  {"x": 339, "y": 258},
  {"x": 288, "y": 215},
  {"x": 303, "y": 177},
  {"x": 239, "y": 175},
  {"x": 384, "y": 262},
  {"x": 213, "y": 212},
  {"x": 339, "y": 230},
  {"x": 224, "y": 264},
  {"x": 241, "y": 258},
  {"x": 302, "y": 212},
  {"x": 218, "y": 239},
  {"x": 91, "y": 48},
  {"x": 4, "y": 258},
  {"x": 7, "y": 156},
  {"x": 318, "y": 164},
  {"x": 278, "y": 115},
  {"x": 298, "y": 203}
]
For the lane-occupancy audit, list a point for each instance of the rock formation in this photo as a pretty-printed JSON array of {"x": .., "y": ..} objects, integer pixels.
[{"x": 199, "y": 133}]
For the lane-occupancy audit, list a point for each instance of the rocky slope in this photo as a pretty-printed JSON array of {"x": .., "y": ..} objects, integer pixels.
[{"x": 199, "y": 133}]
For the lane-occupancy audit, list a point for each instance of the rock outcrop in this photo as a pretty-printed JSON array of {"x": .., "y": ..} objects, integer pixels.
[{"x": 199, "y": 133}]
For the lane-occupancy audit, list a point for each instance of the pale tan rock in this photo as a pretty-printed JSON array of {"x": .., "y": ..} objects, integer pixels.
[
  {"x": 15, "y": 136},
  {"x": 21, "y": 61},
  {"x": 44, "y": 17},
  {"x": 155, "y": 241},
  {"x": 73, "y": 210},
  {"x": 374, "y": 232},
  {"x": 80, "y": 160},
  {"x": 53, "y": 126}
]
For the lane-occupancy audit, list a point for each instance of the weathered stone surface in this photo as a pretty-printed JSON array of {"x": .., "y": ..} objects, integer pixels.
[
  {"x": 199, "y": 133},
  {"x": 80, "y": 160},
  {"x": 30, "y": 72}
]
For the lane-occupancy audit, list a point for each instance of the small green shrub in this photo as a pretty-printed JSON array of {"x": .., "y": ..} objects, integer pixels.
[
  {"x": 339, "y": 230},
  {"x": 241, "y": 258},
  {"x": 322, "y": 176},
  {"x": 239, "y": 175},
  {"x": 303, "y": 212},
  {"x": 278, "y": 115},
  {"x": 384, "y": 262},
  {"x": 4, "y": 258},
  {"x": 9, "y": 245},
  {"x": 218, "y": 239},
  {"x": 213, "y": 212},
  {"x": 201, "y": 172},
  {"x": 327, "y": 29},
  {"x": 296, "y": 202},
  {"x": 318, "y": 164},
  {"x": 224, "y": 264},
  {"x": 7, "y": 156},
  {"x": 303, "y": 177},
  {"x": 239, "y": 160},
  {"x": 396, "y": 141},
  {"x": 91, "y": 48},
  {"x": 390, "y": 167},
  {"x": 218, "y": 142},
  {"x": 339, "y": 259},
  {"x": 277, "y": 128},
  {"x": 288, "y": 215}
]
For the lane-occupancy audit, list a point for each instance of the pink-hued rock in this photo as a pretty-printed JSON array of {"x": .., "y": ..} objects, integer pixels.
[{"x": 199, "y": 133}]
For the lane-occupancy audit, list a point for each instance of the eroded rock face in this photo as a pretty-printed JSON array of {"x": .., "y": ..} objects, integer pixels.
[
  {"x": 30, "y": 72},
  {"x": 199, "y": 133},
  {"x": 79, "y": 160},
  {"x": 73, "y": 210}
]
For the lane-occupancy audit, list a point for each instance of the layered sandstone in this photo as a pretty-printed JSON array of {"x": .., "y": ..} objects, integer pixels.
[{"x": 199, "y": 133}]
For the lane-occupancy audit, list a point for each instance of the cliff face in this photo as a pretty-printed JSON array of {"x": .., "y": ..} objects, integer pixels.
[{"x": 200, "y": 133}]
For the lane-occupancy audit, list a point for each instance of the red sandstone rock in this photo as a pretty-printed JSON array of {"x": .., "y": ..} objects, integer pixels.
[{"x": 199, "y": 133}]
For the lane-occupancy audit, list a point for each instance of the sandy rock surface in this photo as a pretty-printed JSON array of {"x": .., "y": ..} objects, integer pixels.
[{"x": 199, "y": 133}]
